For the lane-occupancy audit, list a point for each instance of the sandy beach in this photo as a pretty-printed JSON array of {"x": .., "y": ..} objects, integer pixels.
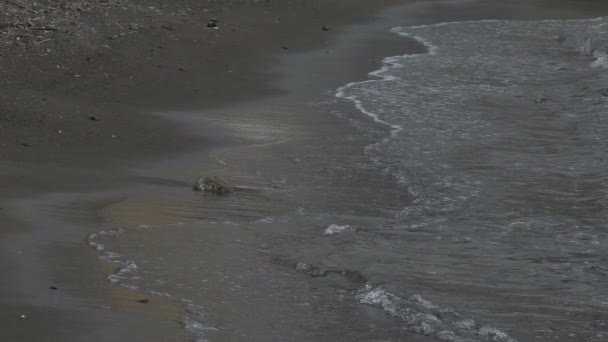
[
  {"x": 106, "y": 120},
  {"x": 76, "y": 105}
]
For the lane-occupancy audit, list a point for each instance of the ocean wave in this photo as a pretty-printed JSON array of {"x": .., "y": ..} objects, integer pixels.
[
  {"x": 336, "y": 229},
  {"x": 463, "y": 144},
  {"x": 423, "y": 317}
]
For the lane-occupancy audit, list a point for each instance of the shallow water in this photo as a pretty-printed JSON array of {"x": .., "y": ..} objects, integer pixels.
[
  {"x": 473, "y": 209},
  {"x": 499, "y": 134}
]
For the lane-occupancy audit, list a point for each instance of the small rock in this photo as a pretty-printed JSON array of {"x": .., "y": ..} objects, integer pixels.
[
  {"x": 93, "y": 118},
  {"x": 181, "y": 69},
  {"x": 212, "y": 184},
  {"x": 168, "y": 27},
  {"x": 23, "y": 316},
  {"x": 326, "y": 28},
  {"x": 143, "y": 301},
  {"x": 52, "y": 288},
  {"x": 212, "y": 23}
]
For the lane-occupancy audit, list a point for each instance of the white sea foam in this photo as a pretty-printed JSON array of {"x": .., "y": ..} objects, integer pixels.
[
  {"x": 336, "y": 229},
  {"x": 124, "y": 272},
  {"x": 127, "y": 267},
  {"x": 127, "y": 276},
  {"x": 601, "y": 60},
  {"x": 192, "y": 321},
  {"x": 423, "y": 317},
  {"x": 462, "y": 97}
]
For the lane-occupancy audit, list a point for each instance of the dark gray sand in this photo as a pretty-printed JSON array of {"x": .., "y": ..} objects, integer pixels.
[{"x": 266, "y": 109}]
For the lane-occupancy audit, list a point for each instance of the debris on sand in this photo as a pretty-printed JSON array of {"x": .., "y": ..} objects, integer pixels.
[
  {"x": 213, "y": 185},
  {"x": 326, "y": 28},
  {"x": 30, "y": 23}
]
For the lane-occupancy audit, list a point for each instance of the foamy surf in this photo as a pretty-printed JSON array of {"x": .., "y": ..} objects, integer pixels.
[
  {"x": 127, "y": 276},
  {"x": 423, "y": 317},
  {"x": 336, "y": 229},
  {"x": 127, "y": 267},
  {"x": 478, "y": 150}
]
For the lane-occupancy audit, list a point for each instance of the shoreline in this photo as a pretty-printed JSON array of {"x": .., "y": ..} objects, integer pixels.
[
  {"x": 166, "y": 175},
  {"x": 48, "y": 163},
  {"x": 233, "y": 161}
]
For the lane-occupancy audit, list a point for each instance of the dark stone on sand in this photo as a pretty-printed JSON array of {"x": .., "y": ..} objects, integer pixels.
[
  {"x": 143, "y": 301},
  {"x": 213, "y": 185},
  {"x": 212, "y": 23},
  {"x": 181, "y": 69},
  {"x": 93, "y": 118},
  {"x": 326, "y": 28},
  {"x": 25, "y": 144},
  {"x": 52, "y": 288}
]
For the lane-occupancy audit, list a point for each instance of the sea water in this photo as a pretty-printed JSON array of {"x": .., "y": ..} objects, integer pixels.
[
  {"x": 486, "y": 220},
  {"x": 499, "y": 133}
]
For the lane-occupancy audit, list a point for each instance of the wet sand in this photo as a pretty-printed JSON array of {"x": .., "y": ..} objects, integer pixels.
[
  {"x": 45, "y": 236},
  {"x": 49, "y": 144},
  {"x": 76, "y": 116}
]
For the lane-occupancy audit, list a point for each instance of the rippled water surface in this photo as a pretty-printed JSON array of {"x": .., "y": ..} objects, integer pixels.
[
  {"x": 470, "y": 205},
  {"x": 499, "y": 133}
]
